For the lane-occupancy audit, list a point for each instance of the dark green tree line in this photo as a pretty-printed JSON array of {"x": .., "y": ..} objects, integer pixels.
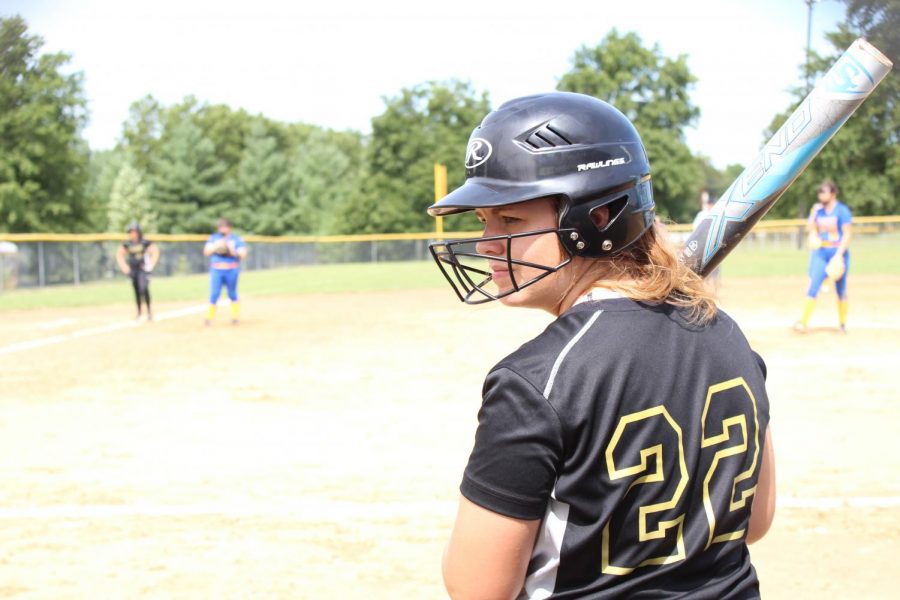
[
  {"x": 270, "y": 178},
  {"x": 423, "y": 125},
  {"x": 42, "y": 154},
  {"x": 178, "y": 167}
]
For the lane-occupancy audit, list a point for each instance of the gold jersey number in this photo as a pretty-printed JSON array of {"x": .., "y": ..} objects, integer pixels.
[{"x": 648, "y": 461}]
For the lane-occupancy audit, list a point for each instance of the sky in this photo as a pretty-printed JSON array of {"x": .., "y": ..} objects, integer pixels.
[{"x": 333, "y": 63}]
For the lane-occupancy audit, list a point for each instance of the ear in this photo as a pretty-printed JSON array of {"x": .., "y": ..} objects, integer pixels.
[{"x": 600, "y": 217}]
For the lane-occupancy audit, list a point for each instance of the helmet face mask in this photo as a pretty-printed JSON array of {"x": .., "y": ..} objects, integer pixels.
[
  {"x": 570, "y": 146},
  {"x": 464, "y": 267}
]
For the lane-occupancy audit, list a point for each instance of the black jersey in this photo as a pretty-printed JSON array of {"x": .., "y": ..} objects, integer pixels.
[
  {"x": 137, "y": 254},
  {"x": 637, "y": 437}
]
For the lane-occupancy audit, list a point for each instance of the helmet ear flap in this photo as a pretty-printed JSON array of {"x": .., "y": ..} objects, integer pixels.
[
  {"x": 615, "y": 210},
  {"x": 630, "y": 214}
]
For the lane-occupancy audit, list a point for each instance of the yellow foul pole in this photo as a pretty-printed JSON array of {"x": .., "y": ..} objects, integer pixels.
[{"x": 440, "y": 190}]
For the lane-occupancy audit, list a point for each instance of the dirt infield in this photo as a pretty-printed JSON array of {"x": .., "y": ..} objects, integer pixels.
[{"x": 314, "y": 451}]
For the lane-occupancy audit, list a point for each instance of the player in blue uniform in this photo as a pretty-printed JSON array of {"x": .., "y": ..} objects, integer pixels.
[
  {"x": 830, "y": 227},
  {"x": 225, "y": 250},
  {"x": 625, "y": 451}
]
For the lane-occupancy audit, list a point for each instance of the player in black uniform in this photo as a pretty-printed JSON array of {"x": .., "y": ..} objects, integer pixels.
[
  {"x": 625, "y": 451},
  {"x": 136, "y": 258}
]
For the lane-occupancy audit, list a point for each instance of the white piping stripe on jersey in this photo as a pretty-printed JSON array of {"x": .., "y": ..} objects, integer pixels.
[
  {"x": 548, "y": 549},
  {"x": 598, "y": 293},
  {"x": 541, "y": 582},
  {"x": 565, "y": 351}
]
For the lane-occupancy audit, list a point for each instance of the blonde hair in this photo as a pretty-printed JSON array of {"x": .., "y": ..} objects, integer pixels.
[{"x": 651, "y": 271}]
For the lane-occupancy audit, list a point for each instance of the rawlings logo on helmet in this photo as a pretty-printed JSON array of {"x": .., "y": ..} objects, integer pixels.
[
  {"x": 479, "y": 150},
  {"x": 600, "y": 164}
]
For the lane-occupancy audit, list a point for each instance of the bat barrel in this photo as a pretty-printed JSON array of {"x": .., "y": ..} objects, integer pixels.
[{"x": 783, "y": 158}]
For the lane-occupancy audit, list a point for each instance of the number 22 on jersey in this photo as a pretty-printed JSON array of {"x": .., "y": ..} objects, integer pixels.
[{"x": 643, "y": 448}]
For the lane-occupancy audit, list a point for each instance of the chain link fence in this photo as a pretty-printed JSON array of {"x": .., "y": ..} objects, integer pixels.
[
  {"x": 28, "y": 264},
  {"x": 28, "y": 261}
]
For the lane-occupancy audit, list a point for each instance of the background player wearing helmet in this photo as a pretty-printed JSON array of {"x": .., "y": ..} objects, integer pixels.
[
  {"x": 706, "y": 204},
  {"x": 625, "y": 450},
  {"x": 829, "y": 225},
  {"x": 225, "y": 250},
  {"x": 136, "y": 258}
]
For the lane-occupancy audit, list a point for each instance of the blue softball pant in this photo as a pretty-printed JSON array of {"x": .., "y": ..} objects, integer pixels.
[
  {"x": 817, "y": 263},
  {"x": 220, "y": 277}
]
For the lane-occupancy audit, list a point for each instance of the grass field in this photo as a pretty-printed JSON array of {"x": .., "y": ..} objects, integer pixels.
[
  {"x": 870, "y": 255},
  {"x": 314, "y": 451},
  {"x": 298, "y": 280}
]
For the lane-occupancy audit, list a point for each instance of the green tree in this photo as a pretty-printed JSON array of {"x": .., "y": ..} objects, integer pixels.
[
  {"x": 653, "y": 91},
  {"x": 228, "y": 130},
  {"x": 187, "y": 185},
  {"x": 649, "y": 88},
  {"x": 129, "y": 201},
  {"x": 863, "y": 158},
  {"x": 102, "y": 169},
  {"x": 42, "y": 155},
  {"x": 716, "y": 181},
  {"x": 425, "y": 124},
  {"x": 266, "y": 187},
  {"x": 879, "y": 21},
  {"x": 677, "y": 176},
  {"x": 142, "y": 132},
  {"x": 272, "y": 178},
  {"x": 327, "y": 182}
]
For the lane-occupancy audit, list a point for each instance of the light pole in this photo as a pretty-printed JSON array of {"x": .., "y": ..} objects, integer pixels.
[
  {"x": 809, "y": 6},
  {"x": 801, "y": 207}
]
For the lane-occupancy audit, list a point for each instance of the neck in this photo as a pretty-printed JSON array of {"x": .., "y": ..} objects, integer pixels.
[{"x": 590, "y": 281}]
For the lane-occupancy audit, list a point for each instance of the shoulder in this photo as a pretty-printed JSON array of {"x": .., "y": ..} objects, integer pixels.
[
  {"x": 534, "y": 359},
  {"x": 663, "y": 336},
  {"x": 844, "y": 210},
  {"x": 214, "y": 237},
  {"x": 538, "y": 360}
]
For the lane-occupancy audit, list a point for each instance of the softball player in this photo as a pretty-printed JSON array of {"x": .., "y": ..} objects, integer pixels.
[
  {"x": 225, "y": 250},
  {"x": 829, "y": 226},
  {"x": 625, "y": 451},
  {"x": 136, "y": 258}
]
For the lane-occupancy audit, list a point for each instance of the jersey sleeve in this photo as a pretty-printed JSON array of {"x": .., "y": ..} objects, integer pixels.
[
  {"x": 518, "y": 448},
  {"x": 762, "y": 364},
  {"x": 845, "y": 217},
  {"x": 239, "y": 243}
]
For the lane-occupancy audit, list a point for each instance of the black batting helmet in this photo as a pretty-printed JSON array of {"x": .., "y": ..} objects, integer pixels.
[{"x": 573, "y": 147}]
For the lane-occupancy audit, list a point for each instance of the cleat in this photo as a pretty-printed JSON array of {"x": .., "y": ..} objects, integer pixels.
[{"x": 800, "y": 327}]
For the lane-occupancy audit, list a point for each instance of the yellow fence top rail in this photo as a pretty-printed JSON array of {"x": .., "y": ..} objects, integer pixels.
[{"x": 773, "y": 226}]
